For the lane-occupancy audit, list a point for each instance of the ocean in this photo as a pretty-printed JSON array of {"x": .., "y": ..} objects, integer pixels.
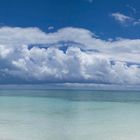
[{"x": 69, "y": 115}]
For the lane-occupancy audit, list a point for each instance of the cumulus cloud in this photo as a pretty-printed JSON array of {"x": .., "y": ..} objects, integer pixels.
[{"x": 29, "y": 55}]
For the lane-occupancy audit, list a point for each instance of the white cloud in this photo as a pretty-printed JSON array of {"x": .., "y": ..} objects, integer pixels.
[
  {"x": 136, "y": 22},
  {"x": 125, "y": 20},
  {"x": 68, "y": 55},
  {"x": 121, "y": 18},
  {"x": 50, "y": 27}
]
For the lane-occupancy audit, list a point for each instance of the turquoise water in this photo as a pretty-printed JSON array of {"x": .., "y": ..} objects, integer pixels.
[{"x": 69, "y": 115}]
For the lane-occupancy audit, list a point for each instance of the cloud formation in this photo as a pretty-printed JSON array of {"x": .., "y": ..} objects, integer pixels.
[
  {"x": 121, "y": 18},
  {"x": 126, "y": 20},
  {"x": 29, "y": 55}
]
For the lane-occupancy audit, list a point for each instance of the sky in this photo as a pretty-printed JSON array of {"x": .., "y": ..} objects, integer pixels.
[{"x": 70, "y": 41}]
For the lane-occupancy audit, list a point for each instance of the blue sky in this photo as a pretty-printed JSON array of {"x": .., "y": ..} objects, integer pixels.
[
  {"x": 70, "y": 41},
  {"x": 90, "y": 14}
]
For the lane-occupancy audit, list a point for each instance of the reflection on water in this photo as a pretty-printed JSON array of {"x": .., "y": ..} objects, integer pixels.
[{"x": 69, "y": 115}]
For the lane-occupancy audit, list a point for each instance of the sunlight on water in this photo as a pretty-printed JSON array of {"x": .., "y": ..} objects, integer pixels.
[{"x": 69, "y": 115}]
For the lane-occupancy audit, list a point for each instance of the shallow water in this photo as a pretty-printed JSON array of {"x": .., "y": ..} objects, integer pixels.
[{"x": 69, "y": 115}]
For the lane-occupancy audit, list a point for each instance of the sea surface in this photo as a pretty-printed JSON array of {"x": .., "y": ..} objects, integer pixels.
[{"x": 69, "y": 115}]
